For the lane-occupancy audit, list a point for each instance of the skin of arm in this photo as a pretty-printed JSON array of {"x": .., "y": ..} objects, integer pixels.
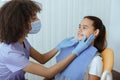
[
  {"x": 47, "y": 79},
  {"x": 42, "y": 58},
  {"x": 40, "y": 70},
  {"x": 93, "y": 77}
]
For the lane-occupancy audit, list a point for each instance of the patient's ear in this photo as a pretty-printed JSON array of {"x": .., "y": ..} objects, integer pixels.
[{"x": 96, "y": 32}]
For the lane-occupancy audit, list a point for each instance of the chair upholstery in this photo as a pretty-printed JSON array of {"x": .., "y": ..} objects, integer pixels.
[{"x": 108, "y": 63}]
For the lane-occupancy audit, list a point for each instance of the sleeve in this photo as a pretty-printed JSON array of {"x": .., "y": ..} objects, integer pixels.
[
  {"x": 96, "y": 66},
  {"x": 27, "y": 44},
  {"x": 16, "y": 60}
]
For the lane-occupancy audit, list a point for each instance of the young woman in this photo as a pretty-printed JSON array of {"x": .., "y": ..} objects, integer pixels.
[
  {"x": 17, "y": 19},
  {"x": 88, "y": 65},
  {"x": 92, "y": 24}
]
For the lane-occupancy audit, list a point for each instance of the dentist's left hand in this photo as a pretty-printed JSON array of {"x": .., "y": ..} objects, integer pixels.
[
  {"x": 83, "y": 44},
  {"x": 66, "y": 43}
]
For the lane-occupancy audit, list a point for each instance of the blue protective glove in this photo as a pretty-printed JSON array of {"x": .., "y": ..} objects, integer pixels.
[
  {"x": 83, "y": 44},
  {"x": 66, "y": 43}
]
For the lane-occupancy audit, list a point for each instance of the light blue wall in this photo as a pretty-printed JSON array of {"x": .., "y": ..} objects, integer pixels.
[{"x": 114, "y": 32}]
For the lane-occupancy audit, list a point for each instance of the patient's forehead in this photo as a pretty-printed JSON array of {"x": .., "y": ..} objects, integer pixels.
[{"x": 86, "y": 21}]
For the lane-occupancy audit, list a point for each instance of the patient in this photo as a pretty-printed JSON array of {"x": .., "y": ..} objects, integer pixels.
[{"x": 88, "y": 65}]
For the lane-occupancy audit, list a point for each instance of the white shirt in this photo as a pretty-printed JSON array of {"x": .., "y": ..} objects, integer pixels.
[{"x": 95, "y": 67}]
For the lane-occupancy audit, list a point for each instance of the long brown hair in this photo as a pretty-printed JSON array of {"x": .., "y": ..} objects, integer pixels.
[
  {"x": 100, "y": 42},
  {"x": 15, "y": 18}
]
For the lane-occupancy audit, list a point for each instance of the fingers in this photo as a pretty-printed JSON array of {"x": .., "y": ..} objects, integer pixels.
[
  {"x": 90, "y": 39},
  {"x": 84, "y": 38},
  {"x": 72, "y": 41},
  {"x": 67, "y": 39},
  {"x": 71, "y": 38}
]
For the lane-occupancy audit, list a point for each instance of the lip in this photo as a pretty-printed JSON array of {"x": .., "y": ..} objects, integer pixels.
[{"x": 79, "y": 34}]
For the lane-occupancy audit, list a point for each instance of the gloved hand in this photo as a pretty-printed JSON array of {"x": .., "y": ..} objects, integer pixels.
[
  {"x": 83, "y": 44},
  {"x": 66, "y": 43}
]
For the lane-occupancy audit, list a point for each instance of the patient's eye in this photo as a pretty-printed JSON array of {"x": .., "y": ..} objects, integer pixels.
[
  {"x": 79, "y": 26},
  {"x": 84, "y": 27}
]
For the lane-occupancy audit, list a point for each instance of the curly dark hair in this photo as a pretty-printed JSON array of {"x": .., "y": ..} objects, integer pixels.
[
  {"x": 100, "y": 42},
  {"x": 15, "y": 18}
]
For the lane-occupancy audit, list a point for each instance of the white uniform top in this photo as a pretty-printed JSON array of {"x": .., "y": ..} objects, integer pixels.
[{"x": 95, "y": 67}]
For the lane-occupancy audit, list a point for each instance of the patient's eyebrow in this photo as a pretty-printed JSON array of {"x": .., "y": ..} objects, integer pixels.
[{"x": 85, "y": 25}]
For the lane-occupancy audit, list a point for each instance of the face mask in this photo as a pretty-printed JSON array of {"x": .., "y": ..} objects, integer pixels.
[{"x": 36, "y": 25}]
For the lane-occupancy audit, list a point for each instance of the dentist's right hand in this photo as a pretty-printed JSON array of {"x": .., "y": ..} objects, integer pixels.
[
  {"x": 83, "y": 44},
  {"x": 66, "y": 43}
]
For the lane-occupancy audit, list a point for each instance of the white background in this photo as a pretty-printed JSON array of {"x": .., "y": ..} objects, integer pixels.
[{"x": 60, "y": 19}]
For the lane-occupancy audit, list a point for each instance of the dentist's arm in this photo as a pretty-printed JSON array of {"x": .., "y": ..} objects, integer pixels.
[
  {"x": 43, "y": 58},
  {"x": 40, "y": 70}
]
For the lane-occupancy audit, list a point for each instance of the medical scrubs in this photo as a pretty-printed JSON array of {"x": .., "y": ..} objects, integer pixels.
[{"x": 13, "y": 58}]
